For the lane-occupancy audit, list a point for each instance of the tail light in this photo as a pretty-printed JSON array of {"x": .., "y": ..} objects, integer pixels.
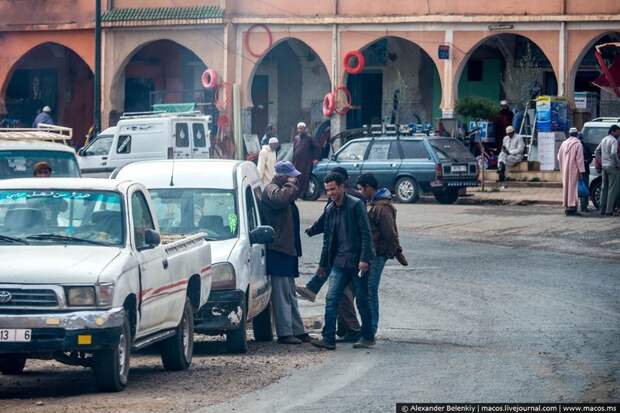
[{"x": 438, "y": 171}]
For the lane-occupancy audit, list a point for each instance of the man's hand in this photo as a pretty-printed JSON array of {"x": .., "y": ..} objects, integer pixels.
[
  {"x": 321, "y": 272},
  {"x": 307, "y": 231},
  {"x": 363, "y": 266}
]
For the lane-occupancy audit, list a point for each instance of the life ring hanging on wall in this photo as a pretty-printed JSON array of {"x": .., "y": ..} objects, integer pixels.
[
  {"x": 344, "y": 109},
  {"x": 246, "y": 40},
  {"x": 361, "y": 62},
  {"x": 209, "y": 79},
  {"x": 329, "y": 104}
]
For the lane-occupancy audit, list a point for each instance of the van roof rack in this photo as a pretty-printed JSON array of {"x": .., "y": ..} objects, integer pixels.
[
  {"x": 160, "y": 114},
  {"x": 47, "y": 133},
  {"x": 606, "y": 119}
]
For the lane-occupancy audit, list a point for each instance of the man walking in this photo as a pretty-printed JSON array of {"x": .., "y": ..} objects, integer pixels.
[
  {"x": 283, "y": 254},
  {"x": 570, "y": 157},
  {"x": 607, "y": 152},
  {"x": 270, "y": 132},
  {"x": 44, "y": 117},
  {"x": 347, "y": 253},
  {"x": 306, "y": 152},
  {"x": 511, "y": 152},
  {"x": 382, "y": 218},
  {"x": 267, "y": 161}
]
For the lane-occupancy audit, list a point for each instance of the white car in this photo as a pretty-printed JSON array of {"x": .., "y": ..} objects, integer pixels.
[
  {"x": 85, "y": 278},
  {"x": 221, "y": 198},
  {"x": 148, "y": 136}
]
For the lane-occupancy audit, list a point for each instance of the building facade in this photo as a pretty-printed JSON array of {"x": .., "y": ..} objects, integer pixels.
[{"x": 278, "y": 58}]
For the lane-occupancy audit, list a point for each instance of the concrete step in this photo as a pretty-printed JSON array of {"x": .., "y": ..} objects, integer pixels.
[
  {"x": 522, "y": 184},
  {"x": 530, "y": 176}
]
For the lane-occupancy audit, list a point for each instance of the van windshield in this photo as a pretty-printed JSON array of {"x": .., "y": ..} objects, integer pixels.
[
  {"x": 593, "y": 135},
  {"x": 188, "y": 211},
  {"x": 20, "y": 163},
  {"x": 100, "y": 146}
]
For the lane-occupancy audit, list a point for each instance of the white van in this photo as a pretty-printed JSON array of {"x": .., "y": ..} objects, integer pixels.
[{"x": 147, "y": 136}]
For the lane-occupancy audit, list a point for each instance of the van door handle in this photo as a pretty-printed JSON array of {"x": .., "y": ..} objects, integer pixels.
[
  {"x": 104, "y": 158},
  {"x": 393, "y": 165},
  {"x": 356, "y": 165},
  {"x": 165, "y": 263}
]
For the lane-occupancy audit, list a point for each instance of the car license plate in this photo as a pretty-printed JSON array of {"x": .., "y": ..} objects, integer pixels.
[
  {"x": 459, "y": 168},
  {"x": 15, "y": 336}
]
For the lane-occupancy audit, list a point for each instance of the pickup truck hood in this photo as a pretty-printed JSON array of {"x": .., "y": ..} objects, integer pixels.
[
  {"x": 54, "y": 264},
  {"x": 220, "y": 250}
]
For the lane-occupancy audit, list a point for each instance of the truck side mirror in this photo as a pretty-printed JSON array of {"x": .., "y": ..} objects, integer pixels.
[
  {"x": 262, "y": 235},
  {"x": 81, "y": 152},
  {"x": 151, "y": 237}
]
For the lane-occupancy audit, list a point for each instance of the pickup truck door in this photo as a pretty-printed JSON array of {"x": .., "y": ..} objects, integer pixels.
[
  {"x": 200, "y": 141},
  {"x": 155, "y": 285},
  {"x": 181, "y": 140},
  {"x": 258, "y": 277}
]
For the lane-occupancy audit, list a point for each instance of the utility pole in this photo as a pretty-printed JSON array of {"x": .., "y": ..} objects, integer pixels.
[{"x": 97, "y": 86}]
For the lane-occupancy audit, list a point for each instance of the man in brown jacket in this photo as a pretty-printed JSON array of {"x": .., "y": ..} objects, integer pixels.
[
  {"x": 382, "y": 217},
  {"x": 281, "y": 213}
]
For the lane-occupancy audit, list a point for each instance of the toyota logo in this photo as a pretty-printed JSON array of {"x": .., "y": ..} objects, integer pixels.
[{"x": 5, "y": 297}]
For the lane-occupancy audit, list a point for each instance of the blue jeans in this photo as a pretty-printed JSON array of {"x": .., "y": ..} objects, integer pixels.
[
  {"x": 338, "y": 280},
  {"x": 374, "y": 278}
]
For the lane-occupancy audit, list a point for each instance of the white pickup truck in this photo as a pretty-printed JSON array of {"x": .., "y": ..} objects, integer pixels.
[
  {"x": 85, "y": 278},
  {"x": 221, "y": 198}
]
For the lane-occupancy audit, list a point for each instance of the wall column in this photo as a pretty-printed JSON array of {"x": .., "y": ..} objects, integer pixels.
[{"x": 448, "y": 96}]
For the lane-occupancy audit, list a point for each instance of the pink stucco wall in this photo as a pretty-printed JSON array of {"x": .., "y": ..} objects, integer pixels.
[{"x": 14, "y": 14}]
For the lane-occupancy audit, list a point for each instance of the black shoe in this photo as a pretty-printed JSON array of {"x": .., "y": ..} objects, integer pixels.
[
  {"x": 304, "y": 338},
  {"x": 351, "y": 337},
  {"x": 363, "y": 343},
  {"x": 289, "y": 340},
  {"x": 323, "y": 344}
]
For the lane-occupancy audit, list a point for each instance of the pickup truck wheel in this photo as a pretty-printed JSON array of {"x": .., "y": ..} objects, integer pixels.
[
  {"x": 112, "y": 366},
  {"x": 178, "y": 350},
  {"x": 12, "y": 366},
  {"x": 407, "y": 190},
  {"x": 314, "y": 189},
  {"x": 447, "y": 196},
  {"x": 261, "y": 325},
  {"x": 236, "y": 340}
]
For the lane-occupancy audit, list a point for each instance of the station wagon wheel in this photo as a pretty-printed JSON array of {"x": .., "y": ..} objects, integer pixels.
[
  {"x": 314, "y": 189},
  {"x": 407, "y": 190}
]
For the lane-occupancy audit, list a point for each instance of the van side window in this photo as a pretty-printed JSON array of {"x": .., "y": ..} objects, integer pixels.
[
  {"x": 142, "y": 219},
  {"x": 181, "y": 131},
  {"x": 124, "y": 144},
  {"x": 200, "y": 140},
  {"x": 250, "y": 209}
]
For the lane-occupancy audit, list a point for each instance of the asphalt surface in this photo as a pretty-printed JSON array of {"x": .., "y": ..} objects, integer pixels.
[{"x": 490, "y": 320}]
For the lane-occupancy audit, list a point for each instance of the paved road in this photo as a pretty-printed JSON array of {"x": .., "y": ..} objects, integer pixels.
[{"x": 472, "y": 321}]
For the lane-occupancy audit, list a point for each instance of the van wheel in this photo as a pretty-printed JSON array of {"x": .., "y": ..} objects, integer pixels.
[
  {"x": 236, "y": 340},
  {"x": 112, "y": 366},
  {"x": 407, "y": 190},
  {"x": 447, "y": 196},
  {"x": 595, "y": 192},
  {"x": 314, "y": 189},
  {"x": 178, "y": 350},
  {"x": 261, "y": 325},
  {"x": 12, "y": 366}
]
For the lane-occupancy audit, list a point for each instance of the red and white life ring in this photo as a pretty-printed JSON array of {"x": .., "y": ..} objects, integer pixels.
[
  {"x": 209, "y": 79},
  {"x": 361, "y": 62},
  {"x": 329, "y": 104},
  {"x": 246, "y": 40}
]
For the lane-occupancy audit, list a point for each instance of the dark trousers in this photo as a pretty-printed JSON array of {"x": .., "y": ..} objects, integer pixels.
[
  {"x": 338, "y": 280},
  {"x": 347, "y": 317}
]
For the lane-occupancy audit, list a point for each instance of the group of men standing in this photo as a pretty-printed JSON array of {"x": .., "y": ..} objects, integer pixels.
[{"x": 356, "y": 245}]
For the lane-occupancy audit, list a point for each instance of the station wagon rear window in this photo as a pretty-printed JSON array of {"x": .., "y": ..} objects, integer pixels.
[
  {"x": 20, "y": 163},
  {"x": 451, "y": 150}
]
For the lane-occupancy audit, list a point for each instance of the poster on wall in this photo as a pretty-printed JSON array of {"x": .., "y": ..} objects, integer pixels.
[{"x": 546, "y": 151}]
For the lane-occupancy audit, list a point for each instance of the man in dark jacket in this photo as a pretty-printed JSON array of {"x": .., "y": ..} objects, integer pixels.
[
  {"x": 306, "y": 152},
  {"x": 281, "y": 213},
  {"x": 587, "y": 159},
  {"x": 382, "y": 217},
  {"x": 347, "y": 253}
]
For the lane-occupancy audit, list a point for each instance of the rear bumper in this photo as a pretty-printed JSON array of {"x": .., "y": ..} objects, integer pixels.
[
  {"x": 222, "y": 312},
  {"x": 85, "y": 331},
  {"x": 454, "y": 183}
]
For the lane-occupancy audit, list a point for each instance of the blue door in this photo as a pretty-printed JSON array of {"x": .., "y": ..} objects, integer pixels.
[{"x": 383, "y": 161}]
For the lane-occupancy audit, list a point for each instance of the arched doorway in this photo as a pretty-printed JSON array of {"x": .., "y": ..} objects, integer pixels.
[
  {"x": 590, "y": 100},
  {"x": 162, "y": 72},
  {"x": 400, "y": 84},
  {"x": 507, "y": 67},
  {"x": 288, "y": 86},
  {"x": 52, "y": 75}
]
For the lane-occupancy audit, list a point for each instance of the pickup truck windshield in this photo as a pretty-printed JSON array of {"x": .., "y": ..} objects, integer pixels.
[
  {"x": 20, "y": 163},
  {"x": 187, "y": 211},
  {"x": 61, "y": 217},
  {"x": 451, "y": 150}
]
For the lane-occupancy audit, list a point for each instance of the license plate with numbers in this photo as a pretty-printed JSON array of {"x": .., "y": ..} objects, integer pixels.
[
  {"x": 15, "y": 335},
  {"x": 459, "y": 168}
]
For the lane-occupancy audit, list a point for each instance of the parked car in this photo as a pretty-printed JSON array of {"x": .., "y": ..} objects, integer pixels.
[
  {"x": 85, "y": 278},
  {"x": 407, "y": 165},
  {"x": 21, "y": 149},
  {"x": 147, "y": 136},
  {"x": 593, "y": 133},
  {"x": 221, "y": 198}
]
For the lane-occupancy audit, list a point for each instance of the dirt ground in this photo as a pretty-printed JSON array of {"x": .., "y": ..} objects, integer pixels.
[{"x": 214, "y": 377}]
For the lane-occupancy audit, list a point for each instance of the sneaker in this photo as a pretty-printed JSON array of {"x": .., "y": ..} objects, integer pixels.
[
  {"x": 363, "y": 343},
  {"x": 306, "y": 293},
  {"x": 304, "y": 338},
  {"x": 323, "y": 344},
  {"x": 289, "y": 340},
  {"x": 401, "y": 259},
  {"x": 350, "y": 337}
]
